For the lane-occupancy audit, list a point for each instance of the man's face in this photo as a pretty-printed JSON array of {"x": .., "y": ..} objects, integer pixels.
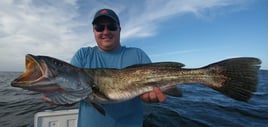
[{"x": 107, "y": 34}]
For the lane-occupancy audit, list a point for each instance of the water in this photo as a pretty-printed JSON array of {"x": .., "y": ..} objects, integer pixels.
[{"x": 199, "y": 107}]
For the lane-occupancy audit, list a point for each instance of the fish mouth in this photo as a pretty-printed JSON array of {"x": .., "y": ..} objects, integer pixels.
[{"x": 36, "y": 72}]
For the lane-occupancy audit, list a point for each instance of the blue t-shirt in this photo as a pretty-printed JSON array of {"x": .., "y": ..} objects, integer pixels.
[{"x": 124, "y": 114}]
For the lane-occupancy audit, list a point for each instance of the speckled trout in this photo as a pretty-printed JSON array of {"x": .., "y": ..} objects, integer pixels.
[{"x": 63, "y": 83}]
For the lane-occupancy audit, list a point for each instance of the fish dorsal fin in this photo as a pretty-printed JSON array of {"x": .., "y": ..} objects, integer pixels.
[{"x": 159, "y": 65}]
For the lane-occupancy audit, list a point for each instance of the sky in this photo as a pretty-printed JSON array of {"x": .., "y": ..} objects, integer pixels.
[{"x": 193, "y": 32}]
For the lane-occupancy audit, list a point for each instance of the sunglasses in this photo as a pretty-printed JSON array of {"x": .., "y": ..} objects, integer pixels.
[{"x": 110, "y": 27}]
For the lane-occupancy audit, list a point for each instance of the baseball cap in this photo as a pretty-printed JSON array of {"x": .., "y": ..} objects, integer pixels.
[{"x": 108, "y": 13}]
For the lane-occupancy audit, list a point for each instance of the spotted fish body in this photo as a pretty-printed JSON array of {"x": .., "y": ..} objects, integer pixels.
[{"x": 63, "y": 83}]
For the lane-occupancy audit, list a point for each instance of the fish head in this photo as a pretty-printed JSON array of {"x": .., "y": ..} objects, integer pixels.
[
  {"x": 36, "y": 75},
  {"x": 59, "y": 81}
]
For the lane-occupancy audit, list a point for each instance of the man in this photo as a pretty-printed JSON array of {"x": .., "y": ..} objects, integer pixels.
[{"x": 110, "y": 54}]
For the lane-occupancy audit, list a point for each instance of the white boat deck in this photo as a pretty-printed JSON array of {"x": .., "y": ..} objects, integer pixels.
[{"x": 60, "y": 118}]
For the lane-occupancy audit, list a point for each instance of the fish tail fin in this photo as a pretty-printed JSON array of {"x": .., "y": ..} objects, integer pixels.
[{"x": 239, "y": 77}]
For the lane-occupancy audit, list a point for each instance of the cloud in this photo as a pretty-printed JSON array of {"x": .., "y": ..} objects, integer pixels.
[
  {"x": 58, "y": 28},
  {"x": 38, "y": 27},
  {"x": 143, "y": 20},
  {"x": 178, "y": 53}
]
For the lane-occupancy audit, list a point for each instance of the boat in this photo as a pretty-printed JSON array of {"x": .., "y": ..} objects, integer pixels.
[{"x": 59, "y": 118}]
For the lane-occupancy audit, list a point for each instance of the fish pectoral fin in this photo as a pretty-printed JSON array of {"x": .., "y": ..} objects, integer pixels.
[
  {"x": 98, "y": 108},
  {"x": 174, "y": 91}
]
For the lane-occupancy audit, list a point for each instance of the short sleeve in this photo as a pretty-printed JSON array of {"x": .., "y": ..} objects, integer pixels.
[
  {"x": 144, "y": 58},
  {"x": 79, "y": 57}
]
